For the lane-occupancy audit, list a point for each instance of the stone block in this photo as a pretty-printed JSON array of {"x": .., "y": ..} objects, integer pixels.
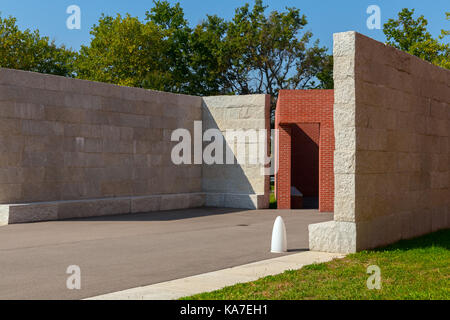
[
  {"x": 244, "y": 201},
  {"x": 22, "y": 213},
  {"x": 10, "y": 159},
  {"x": 69, "y": 115},
  {"x": 344, "y": 66},
  {"x": 4, "y": 215},
  {"x": 174, "y": 201},
  {"x": 145, "y": 204},
  {"x": 93, "y": 208},
  {"x": 333, "y": 236},
  {"x": 28, "y": 111},
  {"x": 197, "y": 200},
  {"x": 439, "y": 218},
  {"x": 344, "y": 162},
  {"x": 215, "y": 200},
  {"x": 345, "y": 197},
  {"x": 134, "y": 121},
  {"x": 345, "y": 138},
  {"x": 10, "y": 127},
  {"x": 344, "y": 44},
  {"x": 241, "y": 201},
  {"x": 22, "y": 78},
  {"x": 117, "y": 188},
  {"x": 345, "y": 116}
]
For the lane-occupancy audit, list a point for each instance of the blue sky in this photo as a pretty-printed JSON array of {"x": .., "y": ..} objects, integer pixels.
[{"x": 324, "y": 16}]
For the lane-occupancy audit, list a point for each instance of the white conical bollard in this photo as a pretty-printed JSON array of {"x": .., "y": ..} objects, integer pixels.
[{"x": 279, "y": 242}]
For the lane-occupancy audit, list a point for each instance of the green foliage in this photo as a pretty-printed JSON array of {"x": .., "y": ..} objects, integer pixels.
[
  {"x": 260, "y": 53},
  {"x": 209, "y": 58},
  {"x": 175, "y": 34},
  {"x": 252, "y": 53},
  {"x": 445, "y": 32},
  {"x": 411, "y": 35},
  {"x": 325, "y": 74},
  {"x": 124, "y": 51},
  {"x": 152, "y": 54},
  {"x": 26, "y": 50}
]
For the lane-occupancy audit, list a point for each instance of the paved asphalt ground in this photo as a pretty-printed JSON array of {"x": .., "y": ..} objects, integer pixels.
[{"x": 122, "y": 252}]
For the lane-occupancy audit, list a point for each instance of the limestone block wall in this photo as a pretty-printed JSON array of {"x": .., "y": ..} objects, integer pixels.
[
  {"x": 392, "y": 158},
  {"x": 243, "y": 184},
  {"x": 65, "y": 139},
  {"x": 73, "y": 148}
]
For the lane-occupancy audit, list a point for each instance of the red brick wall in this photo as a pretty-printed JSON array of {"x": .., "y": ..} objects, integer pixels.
[
  {"x": 283, "y": 190},
  {"x": 302, "y": 107}
]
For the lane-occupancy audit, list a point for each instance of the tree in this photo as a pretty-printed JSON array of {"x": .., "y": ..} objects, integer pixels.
[
  {"x": 252, "y": 53},
  {"x": 445, "y": 32},
  {"x": 152, "y": 54},
  {"x": 325, "y": 74},
  {"x": 259, "y": 53},
  {"x": 26, "y": 50},
  {"x": 124, "y": 51},
  {"x": 445, "y": 58},
  {"x": 208, "y": 61},
  {"x": 175, "y": 32},
  {"x": 411, "y": 35}
]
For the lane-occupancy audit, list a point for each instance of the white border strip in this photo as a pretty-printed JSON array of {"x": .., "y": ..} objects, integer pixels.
[{"x": 211, "y": 281}]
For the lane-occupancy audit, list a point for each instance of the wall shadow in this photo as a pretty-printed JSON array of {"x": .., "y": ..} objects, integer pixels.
[
  {"x": 225, "y": 178},
  {"x": 171, "y": 215},
  {"x": 440, "y": 239}
]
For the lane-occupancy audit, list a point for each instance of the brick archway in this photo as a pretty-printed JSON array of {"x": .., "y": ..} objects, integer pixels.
[{"x": 305, "y": 114}]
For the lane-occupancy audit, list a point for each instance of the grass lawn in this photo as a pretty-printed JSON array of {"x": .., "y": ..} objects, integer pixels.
[
  {"x": 273, "y": 201},
  {"x": 410, "y": 269}
]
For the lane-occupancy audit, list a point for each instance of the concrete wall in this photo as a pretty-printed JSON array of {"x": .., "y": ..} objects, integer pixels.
[
  {"x": 73, "y": 148},
  {"x": 242, "y": 185},
  {"x": 65, "y": 140},
  {"x": 392, "y": 128}
]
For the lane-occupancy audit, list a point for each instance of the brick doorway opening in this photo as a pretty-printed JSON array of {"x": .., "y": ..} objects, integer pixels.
[
  {"x": 305, "y": 165},
  {"x": 305, "y": 149}
]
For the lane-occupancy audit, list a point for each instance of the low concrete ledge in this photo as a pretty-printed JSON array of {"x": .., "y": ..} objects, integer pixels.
[
  {"x": 59, "y": 210},
  {"x": 235, "y": 200}
]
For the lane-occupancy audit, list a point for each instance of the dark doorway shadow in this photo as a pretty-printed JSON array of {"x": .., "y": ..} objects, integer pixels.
[
  {"x": 310, "y": 202},
  {"x": 305, "y": 163}
]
